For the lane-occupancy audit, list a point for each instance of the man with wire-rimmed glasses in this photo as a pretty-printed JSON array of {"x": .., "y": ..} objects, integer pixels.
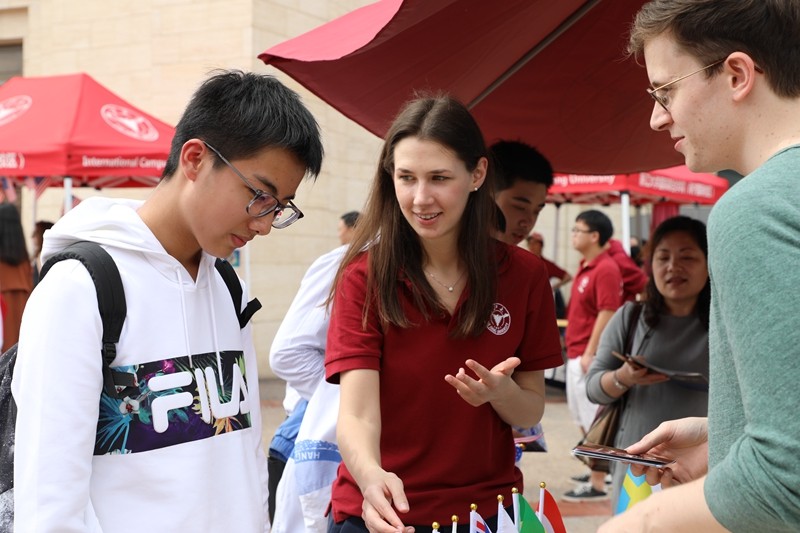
[{"x": 725, "y": 76}]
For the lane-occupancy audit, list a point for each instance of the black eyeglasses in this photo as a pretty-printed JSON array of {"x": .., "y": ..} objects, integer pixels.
[
  {"x": 263, "y": 203},
  {"x": 579, "y": 230}
]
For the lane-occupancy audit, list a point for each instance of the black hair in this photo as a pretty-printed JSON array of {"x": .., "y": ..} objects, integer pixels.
[
  {"x": 599, "y": 222},
  {"x": 655, "y": 305},
  {"x": 38, "y": 234},
  {"x": 242, "y": 113},
  {"x": 500, "y": 220},
  {"x": 12, "y": 238},
  {"x": 515, "y": 160},
  {"x": 350, "y": 218}
]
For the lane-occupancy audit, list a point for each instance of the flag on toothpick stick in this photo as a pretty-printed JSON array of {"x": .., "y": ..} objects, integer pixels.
[
  {"x": 549, "y": 514},
  {"x": 633, "y": 490},
  {"x": 38, "y": 184},
  {"x": 524, "y": 516},
  {"x": 476, "y": 522},
  {"x": 504, "y": 522}
]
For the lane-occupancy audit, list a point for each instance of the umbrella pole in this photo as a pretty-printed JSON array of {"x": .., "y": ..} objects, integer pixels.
[
  {"x": 625, "y": 201},
  {"x": 555, "y": 234},
  {"x": 639, "y": 228}
]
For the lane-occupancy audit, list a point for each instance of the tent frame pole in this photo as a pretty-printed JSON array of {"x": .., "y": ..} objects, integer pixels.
[
  {"x": 625, "y": 201},
  {"x": 67, "y": 194}
]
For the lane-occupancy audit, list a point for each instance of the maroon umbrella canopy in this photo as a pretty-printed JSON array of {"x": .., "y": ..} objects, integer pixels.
[{"x": 553, "y": 74}]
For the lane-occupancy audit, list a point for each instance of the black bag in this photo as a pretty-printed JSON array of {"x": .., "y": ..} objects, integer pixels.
[
  {"x": 603, "y": 430},
  {"x": 111, "y": 303}
]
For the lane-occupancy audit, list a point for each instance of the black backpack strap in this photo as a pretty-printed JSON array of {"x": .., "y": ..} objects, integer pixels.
[
  {"x": 111, "y": 303},
  {"x": 231, "y": 280}
]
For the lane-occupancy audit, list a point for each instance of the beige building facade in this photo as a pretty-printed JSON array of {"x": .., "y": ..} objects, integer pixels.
[{"x": 154, "y": 53}]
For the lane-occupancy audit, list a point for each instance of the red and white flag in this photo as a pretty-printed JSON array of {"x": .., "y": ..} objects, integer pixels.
[
  {"x": 476, "y": 523},
  {"x": 504, "y": 522},
  {"x": 549, "y": 514}
]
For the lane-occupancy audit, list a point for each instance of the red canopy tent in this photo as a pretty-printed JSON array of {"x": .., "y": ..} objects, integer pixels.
[
  {"x": 72, "y": 129},
  {"x": 676, "y": 185},
  {"x": 665, "y": 189},
  {"x": 553, "y": 74}
]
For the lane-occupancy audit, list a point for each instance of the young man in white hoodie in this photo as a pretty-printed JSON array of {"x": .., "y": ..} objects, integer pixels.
[{"x": 183, "y": 452}]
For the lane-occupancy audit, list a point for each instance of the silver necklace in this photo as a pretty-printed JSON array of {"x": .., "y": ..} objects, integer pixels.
[{"x": 448, "y": 287}]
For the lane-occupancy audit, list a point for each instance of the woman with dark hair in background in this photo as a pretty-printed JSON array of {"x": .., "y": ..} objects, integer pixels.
[
  {"x": 16, "y": 278},
  {"x": 439, "y": 335},
  {"x": 671, "y": 333}
]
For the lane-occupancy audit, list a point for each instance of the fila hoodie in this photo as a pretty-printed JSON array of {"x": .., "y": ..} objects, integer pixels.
[{"x": 183, "y": 452}]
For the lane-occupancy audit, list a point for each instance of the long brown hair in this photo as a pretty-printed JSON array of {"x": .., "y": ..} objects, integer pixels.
[{"x": 394, "y": 248}]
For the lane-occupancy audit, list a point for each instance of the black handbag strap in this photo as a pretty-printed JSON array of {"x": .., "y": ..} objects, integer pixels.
[{"x": 633, "y": 320}]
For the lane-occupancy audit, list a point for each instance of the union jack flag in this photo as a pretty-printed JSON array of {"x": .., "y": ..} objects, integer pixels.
[{"x": 477, "y": 524}]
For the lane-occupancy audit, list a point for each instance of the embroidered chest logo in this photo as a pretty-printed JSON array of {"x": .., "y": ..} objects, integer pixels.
[
  {"x": 500, "y": 321},
  {"x": 583, "y": 283}
]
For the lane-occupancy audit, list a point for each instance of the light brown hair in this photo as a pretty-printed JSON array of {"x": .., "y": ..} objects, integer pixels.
[{"x": 766, "y": 30}]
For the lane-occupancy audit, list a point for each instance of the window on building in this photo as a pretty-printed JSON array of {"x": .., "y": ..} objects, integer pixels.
[{"x": 10, "y": 61}]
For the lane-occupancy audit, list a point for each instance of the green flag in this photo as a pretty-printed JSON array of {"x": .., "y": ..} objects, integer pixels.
[{"x": 528, "y": 522}]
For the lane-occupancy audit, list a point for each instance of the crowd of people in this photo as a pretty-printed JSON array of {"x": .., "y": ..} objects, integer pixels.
[{"x": 430, "y": 311}]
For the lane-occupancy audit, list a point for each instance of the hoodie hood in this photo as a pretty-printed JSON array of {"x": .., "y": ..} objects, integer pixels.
[
  {"x": 111, "y": 222},
  {"x": 115, "y": 223}
]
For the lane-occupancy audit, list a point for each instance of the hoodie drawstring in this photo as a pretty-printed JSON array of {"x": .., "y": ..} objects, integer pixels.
[
  {"x": 183, "y": 312},
  {"x": 214, "y": 337}
]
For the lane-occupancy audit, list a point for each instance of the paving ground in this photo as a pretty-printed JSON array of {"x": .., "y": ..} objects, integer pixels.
[{"x": 554, "y": 467}]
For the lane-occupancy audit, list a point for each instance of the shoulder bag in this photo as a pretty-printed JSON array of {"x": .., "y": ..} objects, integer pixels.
[{"x": 603, "y": 430}]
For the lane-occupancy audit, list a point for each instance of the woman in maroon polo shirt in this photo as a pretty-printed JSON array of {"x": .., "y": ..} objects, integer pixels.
[{"x": 439, "y": 335}]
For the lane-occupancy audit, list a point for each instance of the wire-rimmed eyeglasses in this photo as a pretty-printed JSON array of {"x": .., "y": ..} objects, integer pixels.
[
  {"x": 581, "y": 230},
  {"x": 662, "y": 97},
  {"x": 264, "y": 203}
]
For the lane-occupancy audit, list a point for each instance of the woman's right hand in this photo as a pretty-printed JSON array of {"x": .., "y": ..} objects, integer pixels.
[
  {"x": 685, "y": 441},
  {"x": 383, "y": 493}
]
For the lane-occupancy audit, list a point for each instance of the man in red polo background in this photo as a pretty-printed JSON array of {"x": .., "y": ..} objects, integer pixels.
[{"x": 596, "y": 295}]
